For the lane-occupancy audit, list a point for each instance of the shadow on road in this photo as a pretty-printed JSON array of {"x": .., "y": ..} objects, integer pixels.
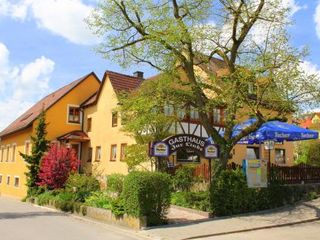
[{"x": 10, "y": 215}]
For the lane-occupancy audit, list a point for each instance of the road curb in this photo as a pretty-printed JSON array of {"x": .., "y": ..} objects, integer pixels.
[{"x": 254, "y": 229}]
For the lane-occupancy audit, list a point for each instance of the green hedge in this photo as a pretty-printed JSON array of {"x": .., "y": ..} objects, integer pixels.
[
  {"x": 230, "y": 195},
  {"x": 147, "y": 194},
  {"x": 81, "y": 186}
]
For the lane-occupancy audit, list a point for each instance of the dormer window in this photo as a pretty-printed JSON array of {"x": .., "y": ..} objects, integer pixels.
[{"x": 73, "y": 114}]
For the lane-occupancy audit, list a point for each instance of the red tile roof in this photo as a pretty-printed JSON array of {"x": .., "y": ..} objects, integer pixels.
[
  {"x": 120, "y": 83},
  {"x": 306, "y": 123},
  {"x": 26, "y": 119}
]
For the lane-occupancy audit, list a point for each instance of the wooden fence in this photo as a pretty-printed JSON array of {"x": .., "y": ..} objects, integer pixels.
[{"x": 301, "y": 173}]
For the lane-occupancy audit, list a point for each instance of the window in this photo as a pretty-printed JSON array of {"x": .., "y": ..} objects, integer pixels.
[
  {"x": 13, "y": 152},
  {"x": 123, "y": 151},
  {"x": 27, "y": 147},
  {"x": 113, "y": 153},
  {"x": 2, "y": 154},
  {"x": 181, "y": 112},
  {"x": 89, "y": 155},
  {"x": 0, "y": 178},
  {"x": 89, "y": 122},
  {"x": 280, "y": 156},
  {"x": 253, "y": 153},
  {"x": 168, "y": 110},
  {"x": 74, "y": 114},
  {"x": 194, "y": 114},
  {"x": 16, "y": 181},
  {"x": 8, "y": 180},
  {"x": 114, "y": 119},
  {"x": 217, "y": 115},
  {"x": 187, "y": 155},
  {"x": 224, "y": 115},
  {"x": 8, "y": 153},
  {"x": 98, "y": 154}
]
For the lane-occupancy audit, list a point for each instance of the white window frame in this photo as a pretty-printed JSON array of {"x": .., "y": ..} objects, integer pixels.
[
  {"x": 2, "y": 153},
  {"x": 8, "y": 153},
  {"x": 14, "y": 182},
  {"x": 72, "y": 123},
  {"x": 25, "y": 147},
  {"x": 14, "y": 153},
  {"x": 8, "y": 177}
]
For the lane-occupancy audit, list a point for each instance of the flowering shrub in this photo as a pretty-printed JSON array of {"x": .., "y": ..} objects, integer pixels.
[{"x": 56, "y": 166}]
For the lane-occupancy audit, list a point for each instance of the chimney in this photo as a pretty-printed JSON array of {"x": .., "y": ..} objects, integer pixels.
[{"x": 138, "y": 74}]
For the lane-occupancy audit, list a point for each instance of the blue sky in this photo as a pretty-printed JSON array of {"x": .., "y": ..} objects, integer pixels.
[{"x": 44, "y": 44}]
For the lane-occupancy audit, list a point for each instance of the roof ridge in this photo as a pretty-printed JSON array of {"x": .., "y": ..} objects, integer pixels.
[
  {"x": 126, "y": 75},
  {"x": 22, "y": 122}
]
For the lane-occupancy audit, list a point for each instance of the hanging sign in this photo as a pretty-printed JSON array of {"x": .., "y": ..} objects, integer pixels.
[
  {"x": 182, "y": 141},
  {"x": 160, "y": 149},
  {"x": 211, "y": 151}
]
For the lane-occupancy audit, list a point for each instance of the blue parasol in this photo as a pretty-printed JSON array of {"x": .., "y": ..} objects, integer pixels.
[{"x": 275, "y": 131}]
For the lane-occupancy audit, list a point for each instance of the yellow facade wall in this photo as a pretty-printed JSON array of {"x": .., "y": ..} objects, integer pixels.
[
  {"x": 15, "y": 168},
  {"x": 103, "y": 135},
  {"x": 56, "y": 117}
]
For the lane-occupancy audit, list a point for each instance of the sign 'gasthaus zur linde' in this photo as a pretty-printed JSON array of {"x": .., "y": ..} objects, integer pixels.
[{"x": 171, "y": 144}]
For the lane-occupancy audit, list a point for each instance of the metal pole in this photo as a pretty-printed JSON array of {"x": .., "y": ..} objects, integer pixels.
[{"x": 210, "y": 170}]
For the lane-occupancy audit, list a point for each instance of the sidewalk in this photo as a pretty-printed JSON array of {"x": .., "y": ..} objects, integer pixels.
[{"x": 303, "y": 212}]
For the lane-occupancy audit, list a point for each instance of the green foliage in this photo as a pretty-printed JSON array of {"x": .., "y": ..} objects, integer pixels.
[
  {"x": 147, "y": 194},
  {"x": 144, "y": 108},
  {"x": 45, "y": 197},
  {"x": 311, "y": 196},
  {"x": 115, "y": 183},
  {"x": 137, "y": 157},
  {"x": 99, "y": 199},
  {"x": 65, "y": 201},
  {"x": 230, "y": 195},
  {"x": 118, "y": 206},
  {"x": 81, "y": 186},
  {"x": 184, "y": 178},
  {"x": 175, "y": 37},
  {"x": 195, "y": 200},
  {"x": 309, "y": 152},
  {"x": 39, "y": 147}
]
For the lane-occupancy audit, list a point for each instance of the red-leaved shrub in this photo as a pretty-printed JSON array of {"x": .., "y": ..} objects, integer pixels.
[{"x": 56, "y": 166}]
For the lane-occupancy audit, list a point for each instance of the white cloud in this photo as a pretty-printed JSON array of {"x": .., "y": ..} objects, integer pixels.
[
  {"x": 21, "y": 86},
  {"x": 310, "y": 68},
  {"x": 316, "y": 18},
  {"x": 64, "y": 18}
]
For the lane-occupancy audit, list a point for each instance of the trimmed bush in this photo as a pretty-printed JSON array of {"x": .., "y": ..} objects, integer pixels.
[
  {"x": 81, "y": 186},
  {"x": 115, "y": 183},
  {"x": 147, "y": 194},
  {"x": 230, "y": 195},
  {"x": 183, "y": 178}
]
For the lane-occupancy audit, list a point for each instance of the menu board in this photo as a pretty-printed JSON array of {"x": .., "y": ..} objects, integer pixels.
[{"x": 256, "y": 172}]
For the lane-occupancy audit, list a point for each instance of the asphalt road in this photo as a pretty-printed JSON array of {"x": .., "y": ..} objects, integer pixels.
[
  {"x": 307, "y": 231},
  {"x": 21, "y": 221}
]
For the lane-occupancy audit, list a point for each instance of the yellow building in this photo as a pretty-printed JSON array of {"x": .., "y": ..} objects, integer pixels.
[
  {"x": 64, "y": 119},
  {"x": 104, "y": 153},
  {"x": 82, "y": 115}
]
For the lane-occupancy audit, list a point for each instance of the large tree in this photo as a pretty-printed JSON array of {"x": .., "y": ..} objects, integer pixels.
[
  {"x": 39, "y": 148},
  {"x": 259, "y": 71}
]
